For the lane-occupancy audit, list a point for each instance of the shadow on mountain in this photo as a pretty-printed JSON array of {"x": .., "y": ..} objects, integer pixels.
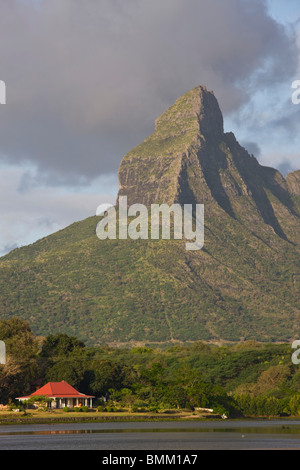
[
  {"x": 211, "y": 166},
  {"x": 256, "y": 181}
]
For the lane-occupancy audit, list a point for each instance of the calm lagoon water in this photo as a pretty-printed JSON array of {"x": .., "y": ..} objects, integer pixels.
[{"x": 210, "y": 435}]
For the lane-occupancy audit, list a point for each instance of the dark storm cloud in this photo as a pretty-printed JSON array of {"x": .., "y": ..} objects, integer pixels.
[
  {"x": 285, "y": 167},
  {"x": 85, "y": 80},
  {"x": 252, "y": 148}
]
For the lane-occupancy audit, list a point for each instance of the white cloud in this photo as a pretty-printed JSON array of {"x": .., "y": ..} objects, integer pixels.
[{"x": 32, "y": 214}]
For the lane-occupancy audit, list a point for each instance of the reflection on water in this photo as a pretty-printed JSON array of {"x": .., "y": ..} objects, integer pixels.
[
  {"x": 284, "y": 429},
  {"x": 255, "y": 427},
  {"x": 255, "y": 434}
]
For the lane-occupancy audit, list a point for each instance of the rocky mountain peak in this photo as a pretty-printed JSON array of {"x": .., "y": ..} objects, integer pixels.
[
  {"x": 154, "y": 171},
  {"x": 189, "y": 159},
  {"x": 197, "y": 109}
]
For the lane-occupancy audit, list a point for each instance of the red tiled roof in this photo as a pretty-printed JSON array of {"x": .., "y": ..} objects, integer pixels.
[{"x": 58, "y": 390}]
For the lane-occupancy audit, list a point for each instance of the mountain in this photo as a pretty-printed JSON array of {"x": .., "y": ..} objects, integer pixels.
[
  {"x": 243, "y": 284},
  {"x": 189, "y": 159}
]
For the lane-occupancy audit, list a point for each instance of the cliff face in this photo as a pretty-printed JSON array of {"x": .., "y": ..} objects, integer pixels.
[
  {"x": 293, "y": 182},
  {"x": 189, "y": 159},
  {"x": 156, "y": 170}
]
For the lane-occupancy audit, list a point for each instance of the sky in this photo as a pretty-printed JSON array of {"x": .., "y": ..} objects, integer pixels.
[{"x": 85, "y": 82}]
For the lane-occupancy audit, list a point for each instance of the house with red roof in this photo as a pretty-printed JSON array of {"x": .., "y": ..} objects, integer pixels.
[{"x": 62, "y": 394}]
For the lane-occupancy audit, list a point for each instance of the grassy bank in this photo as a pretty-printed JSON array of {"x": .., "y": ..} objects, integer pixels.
[{"x": 59, "y": 416}]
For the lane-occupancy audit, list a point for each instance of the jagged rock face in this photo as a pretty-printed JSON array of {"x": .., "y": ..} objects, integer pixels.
[
  {"x": 189, "y": 159},
  {"x": 293, "y": 182},
  {"x": 156, "y": 170}
]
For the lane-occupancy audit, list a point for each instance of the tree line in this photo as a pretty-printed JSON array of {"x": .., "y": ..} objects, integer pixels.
[{"x": 248, "y": 379}]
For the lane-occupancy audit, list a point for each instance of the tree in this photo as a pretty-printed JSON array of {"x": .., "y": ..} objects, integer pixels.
[
  {"x": 19, "y": 340},
  {"x": 104, "y": 375},
  {"x": 294, "y": 405},
  {"x": 21, "y": 367},
  {"x": 61, "y": 345},
  {"x": 70, "y": 370},
  {"x": 41, "y": 401}
]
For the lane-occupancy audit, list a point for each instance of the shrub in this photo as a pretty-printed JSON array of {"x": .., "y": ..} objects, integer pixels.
[
  {"x": 43, "y": 408},
  {"x": 84, "y": 408},
  {"x": 153, "y": 408},
  {"x": 66, "y": 409},
  {"x": 110, "y": 409},
  {"x": 139, "y": 409}
]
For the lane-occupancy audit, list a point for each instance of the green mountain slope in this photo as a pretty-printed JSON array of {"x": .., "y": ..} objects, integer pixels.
[{"x": 244, "y": 283}]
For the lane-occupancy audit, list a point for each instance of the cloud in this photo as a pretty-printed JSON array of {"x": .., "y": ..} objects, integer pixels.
[
  {"x": 252, "y": 148},
  {"x": 285, "y": 167},
  {"x": 28, "y": 215},
  {"x": 285, "y": 163},
  {"x": 86, "y": 80}
]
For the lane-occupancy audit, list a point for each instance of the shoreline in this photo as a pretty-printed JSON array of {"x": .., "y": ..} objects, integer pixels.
[
  {"x": 99, "y": 418},
  {"x": 7, "y": 418}
]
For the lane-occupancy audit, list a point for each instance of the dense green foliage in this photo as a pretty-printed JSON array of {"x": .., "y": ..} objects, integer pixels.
[
  {"x": 131, "y": 292},
  {"x": 240, "y": 380}
]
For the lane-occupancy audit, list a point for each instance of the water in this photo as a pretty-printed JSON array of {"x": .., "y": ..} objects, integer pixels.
[{"x": 210, "y": 435}]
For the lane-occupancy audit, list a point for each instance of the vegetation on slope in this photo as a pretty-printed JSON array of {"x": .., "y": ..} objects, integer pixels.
[
  {"x": 122, "y": 291},
  {"x": 241, "y": 379}
]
